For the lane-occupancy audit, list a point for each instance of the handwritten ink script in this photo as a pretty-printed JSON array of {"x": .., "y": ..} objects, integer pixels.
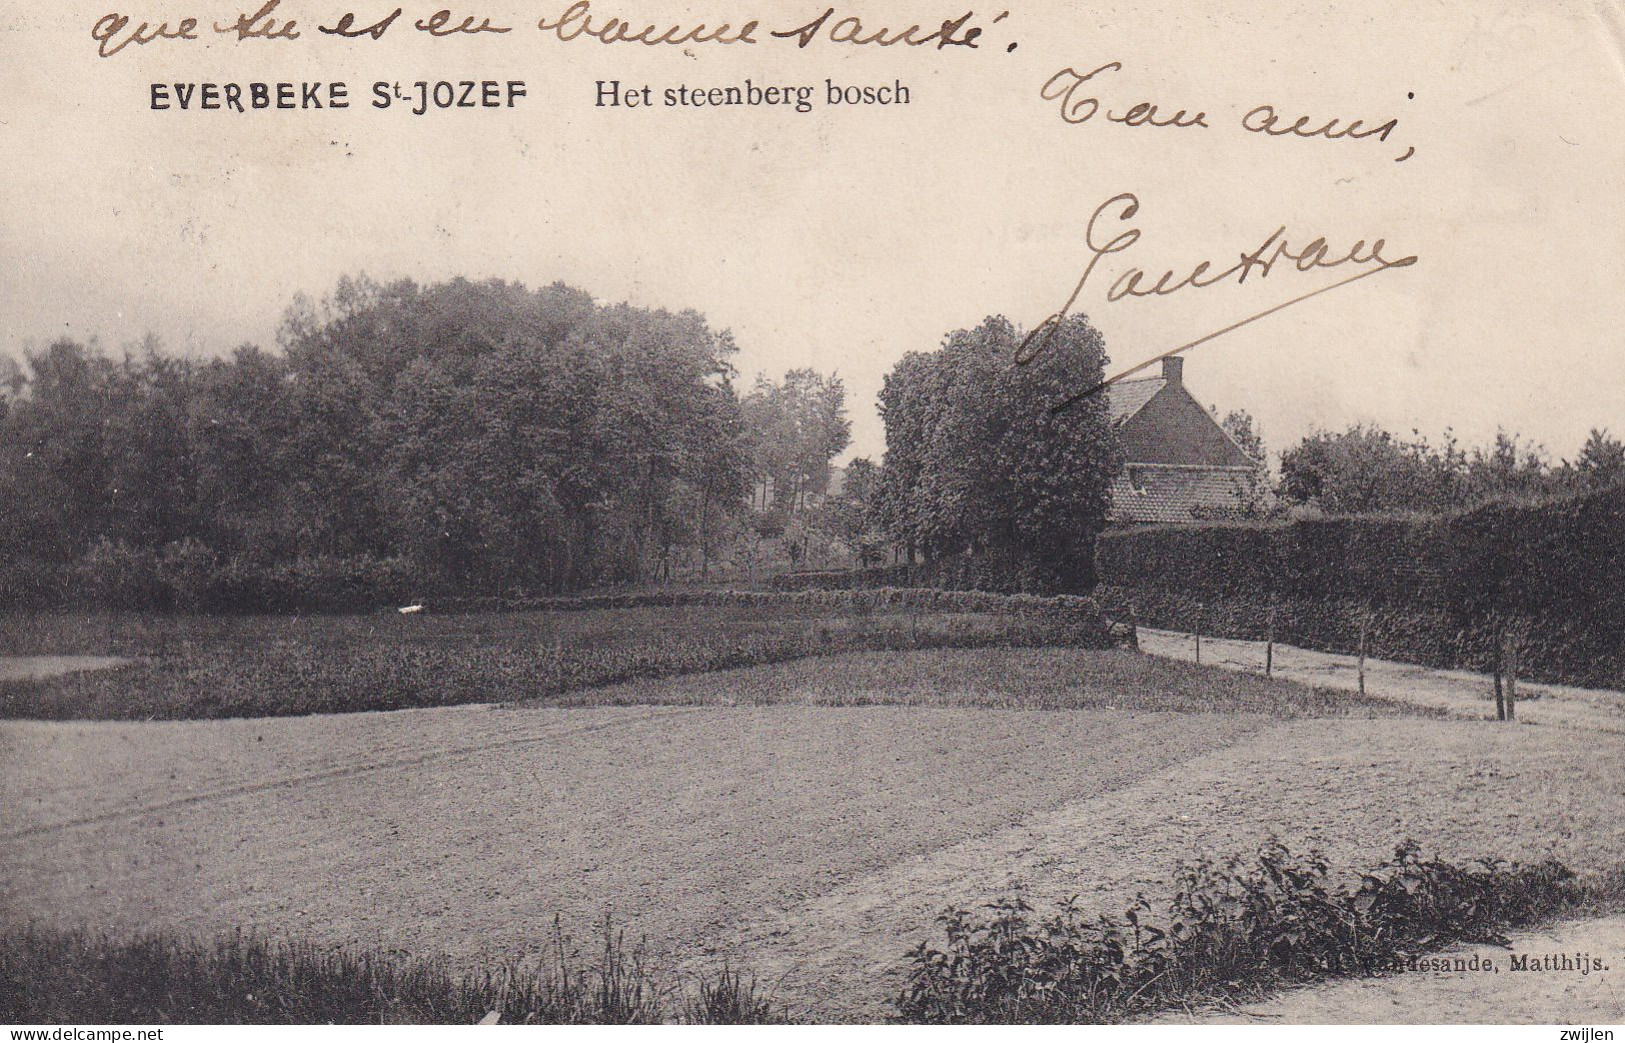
[
  {"x": 1078, "y": 95},
  {"x": 1275, "y": 252},
  {"x": 1089, "y": 97},
  {"x": 115, "y": 31},
  {"x": 1097, "y": 97}
]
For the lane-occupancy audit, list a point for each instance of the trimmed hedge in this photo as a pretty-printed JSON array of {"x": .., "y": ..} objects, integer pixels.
[
  {"x": 848, "y": 579},
  {"x": 986, "y": 572},
  {"x": 1437, "y": 589},
  {"x": 1066, "y": 609},
  {"x": 187, "y": 576},
  {"x": 1428, "y": 639}
]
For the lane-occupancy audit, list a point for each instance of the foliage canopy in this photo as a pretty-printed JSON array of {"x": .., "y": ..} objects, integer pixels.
[{"x": 981, "y": 475}]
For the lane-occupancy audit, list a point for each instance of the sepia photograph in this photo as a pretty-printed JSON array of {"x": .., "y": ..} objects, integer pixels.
[{"x": 715, "y": 512}]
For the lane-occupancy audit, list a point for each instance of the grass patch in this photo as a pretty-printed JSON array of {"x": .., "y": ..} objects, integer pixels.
[
  {"x": 264, "y": 666},
  {"x": 51, "y": 976},
  {"x": 208, "y": 667},
  {"x": 999, "y": 678},
  {"x": 1229, "y": 932}
]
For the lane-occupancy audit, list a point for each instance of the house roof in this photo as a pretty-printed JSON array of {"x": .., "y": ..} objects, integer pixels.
[
  {"x": 1127, "y": 397},
  {"x": 1160, "y": 493},
  {"x": 1182, "y": 465}
]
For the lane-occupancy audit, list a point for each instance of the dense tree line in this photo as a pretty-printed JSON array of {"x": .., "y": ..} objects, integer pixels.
[
  {"x": 1366, "y": 469},
  {"x": 462, "y": 436},
  {"x": 981, "y": 477},
  {"x": 405, "y": 441}
]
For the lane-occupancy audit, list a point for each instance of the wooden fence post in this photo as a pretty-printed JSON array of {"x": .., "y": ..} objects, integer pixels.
[
  {"x": 1365, "y": 639},
  {"x": 1269, "y": 647},
  {"x": 1495, "y": 668},
  {"x": 1512, "y": 674}
]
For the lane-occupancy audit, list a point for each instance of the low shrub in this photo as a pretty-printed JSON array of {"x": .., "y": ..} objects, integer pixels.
[
  {"x": 187, "y": 569},
  {"x": 325, "y": 582},
  {"x": 114, "y": 573},
  {"x": 52, "y": 976},
  {"x": 732, "y": 999},
  {"x": 1228, "y": 931}
]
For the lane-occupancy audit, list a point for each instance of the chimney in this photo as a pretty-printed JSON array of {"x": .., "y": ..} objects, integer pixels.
[{"x": 1173, "y": 370}]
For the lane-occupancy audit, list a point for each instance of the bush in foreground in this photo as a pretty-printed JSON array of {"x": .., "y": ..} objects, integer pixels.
[
  {"x": 1227, "y": 932},
  {"x": 73, "y": 976}
]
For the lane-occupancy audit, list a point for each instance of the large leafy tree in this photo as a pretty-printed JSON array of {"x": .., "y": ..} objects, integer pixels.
[
  {"x": 242, "y": 427},
  {"x": 796, "y": 428},
  {"x": 55, "y": 462},
  {"x": 1508, "y": 467},
  {"x": 1366, "y": 468},
  {"x": 1246, "y": 433},
  {"x": 982, "y": 474},
  {"x": 1601, "y": 461},
  {"x": 852, "y": 516}
]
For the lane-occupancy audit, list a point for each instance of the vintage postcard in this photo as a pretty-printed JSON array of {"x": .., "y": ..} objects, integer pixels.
[{"x": 762, "y": 511}]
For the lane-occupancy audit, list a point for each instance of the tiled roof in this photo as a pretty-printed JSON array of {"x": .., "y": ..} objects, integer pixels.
[
  {"x": 1162, "y": 494},
  {"x": 1127, "y": 397}
]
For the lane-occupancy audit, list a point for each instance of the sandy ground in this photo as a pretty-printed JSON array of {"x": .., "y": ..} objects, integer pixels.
[
  {"x": 1460, "y": 692},
  {"x": 1350, "y": 788},
  {"x": 1579, "y": 992},
  {"x": 465, "y": 829},
  {"x": 32, "y": 667},
  {"x": 813, "y": 845}
]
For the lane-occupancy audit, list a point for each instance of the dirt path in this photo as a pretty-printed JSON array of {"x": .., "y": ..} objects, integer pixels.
[
  {"x": 35, "y": 667},
  {"x": 1577, "y": 992},
  {"x": 1460, "y": 692}
]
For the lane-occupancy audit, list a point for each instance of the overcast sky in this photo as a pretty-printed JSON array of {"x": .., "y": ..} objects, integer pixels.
[{"x": 843, "y": 238}]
